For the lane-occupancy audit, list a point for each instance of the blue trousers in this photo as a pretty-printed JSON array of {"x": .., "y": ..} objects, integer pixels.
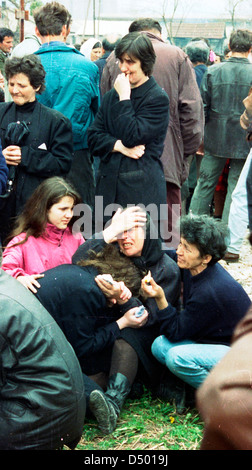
[{"x": 189, "y": 361}]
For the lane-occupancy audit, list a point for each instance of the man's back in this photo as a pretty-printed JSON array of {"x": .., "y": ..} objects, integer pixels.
[
  {"x": 223, "y": 89},
  {"x": 72, "y": 86}
]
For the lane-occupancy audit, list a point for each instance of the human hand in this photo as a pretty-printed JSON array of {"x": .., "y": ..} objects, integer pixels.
[
  {"x": 115, "y": 291},
  {"x": 133, "y": 152},
  {"x": 30, "y": 282},
  {"x": 122, "y": 86},
  {"x": 12, "y": 155},
  {"x": 129, "y": 320},
  {"x": 124, "y": 220},
  {"x": 149, "y": 288}
]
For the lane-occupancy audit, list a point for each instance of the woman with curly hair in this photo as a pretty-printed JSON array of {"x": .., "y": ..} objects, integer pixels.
[
  {"x": 37, "y": 141},
  {"x": 193, "y": 340}
]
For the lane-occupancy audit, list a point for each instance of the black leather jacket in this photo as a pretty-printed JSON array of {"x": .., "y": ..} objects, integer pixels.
[
  {"x": 223, "y": 89},
  {"x": 42, "y": 402}
]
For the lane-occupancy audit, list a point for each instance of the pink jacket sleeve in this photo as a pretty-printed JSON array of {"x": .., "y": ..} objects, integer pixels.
[{"x": 13, "y": 258}]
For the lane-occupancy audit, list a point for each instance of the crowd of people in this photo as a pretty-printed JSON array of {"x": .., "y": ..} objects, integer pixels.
[{"x": 87, "y": 321}]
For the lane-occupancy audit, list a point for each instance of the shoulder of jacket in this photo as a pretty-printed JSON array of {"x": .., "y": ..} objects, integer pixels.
[{"x": 52, "y": 113}]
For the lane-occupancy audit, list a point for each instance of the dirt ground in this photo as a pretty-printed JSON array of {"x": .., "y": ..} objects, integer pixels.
[{"x": 242, "y": 271}]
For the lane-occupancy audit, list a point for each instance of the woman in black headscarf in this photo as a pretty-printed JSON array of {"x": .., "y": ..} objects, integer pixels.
[{"x": 131, "y": 355}]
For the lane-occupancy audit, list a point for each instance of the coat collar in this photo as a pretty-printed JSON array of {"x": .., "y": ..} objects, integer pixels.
[
  {"x": 54, "y": 234},
  {"x": 9, "y": 114},
  {"x": 140, "y": 90}
]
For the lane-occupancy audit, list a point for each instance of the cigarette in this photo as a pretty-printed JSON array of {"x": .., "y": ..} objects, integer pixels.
[{"x": 148, "y": 278}]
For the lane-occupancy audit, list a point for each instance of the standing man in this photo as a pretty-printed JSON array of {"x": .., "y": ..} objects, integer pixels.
[
  {"x": 6, "y": 44},
  {"x": 223, "y": 89},
  {"x": 173, "y": 71},
  {"x": 109, "y": 43},
  {"x": 72, "y": 87}
]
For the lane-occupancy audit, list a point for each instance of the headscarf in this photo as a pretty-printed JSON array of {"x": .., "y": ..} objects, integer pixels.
[{"x": 87, "y": 47}]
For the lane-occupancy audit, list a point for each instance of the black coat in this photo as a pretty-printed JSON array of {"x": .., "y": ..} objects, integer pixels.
[
  {"x": 49, "y": 129},
  {"x": 166, "y": 273},
  {"x": 141, "y": 120},
  {"x": 223, "y": 88},
  {"x": 70, "y": 294},
  {"x": 42, "y": 400}
]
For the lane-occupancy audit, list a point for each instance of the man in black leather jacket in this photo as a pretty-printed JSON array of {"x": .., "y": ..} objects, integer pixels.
[
  {"x": 42, "y": 401},
  {"x": 223, "y": 89}
]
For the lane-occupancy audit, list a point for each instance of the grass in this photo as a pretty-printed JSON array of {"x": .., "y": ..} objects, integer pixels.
[{"x": 146, "y": 424}]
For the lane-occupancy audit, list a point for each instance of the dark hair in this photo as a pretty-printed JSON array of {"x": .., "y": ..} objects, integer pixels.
[
  {"x": 138, "y": 46},
  {"x": 5, "y": 32},
  {"x": 197, "y": 51},
  {"x": 97, "y": 44},
  {"x": 51, "y": 17},
  {"x": 33, "y": 218},
  {"x": 110, "y": 261},
  {"x": 208, "y": 234},
  {"x": 240, "y": 40},
  {"x": 145, "y": 24},
  {"x": 110, "y": 42},
  {"x": 30, "y": 66}
]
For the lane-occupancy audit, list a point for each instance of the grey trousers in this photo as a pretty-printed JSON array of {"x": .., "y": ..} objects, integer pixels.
[{"x": 210, "y": 171}]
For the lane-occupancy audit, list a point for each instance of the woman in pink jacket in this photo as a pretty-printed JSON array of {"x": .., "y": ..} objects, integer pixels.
[{"x": 42, "y": 238}]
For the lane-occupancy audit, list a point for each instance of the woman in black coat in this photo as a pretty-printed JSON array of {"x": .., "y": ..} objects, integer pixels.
[
  {"x": 36, "y": 141},
  {"x": 129, "y": 131},
  {"x": 131, "y": 355}
]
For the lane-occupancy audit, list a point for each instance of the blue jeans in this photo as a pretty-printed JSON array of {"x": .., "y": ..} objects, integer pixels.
[
  {"x": 189, "y": 361},
  {"x": 238, "y": 216}
]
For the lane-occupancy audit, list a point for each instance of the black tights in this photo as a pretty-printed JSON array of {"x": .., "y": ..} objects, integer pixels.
[{"x": 124, "y": 360}]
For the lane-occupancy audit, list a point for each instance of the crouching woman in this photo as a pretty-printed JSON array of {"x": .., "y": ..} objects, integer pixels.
[{"x": 193, "y": 340}]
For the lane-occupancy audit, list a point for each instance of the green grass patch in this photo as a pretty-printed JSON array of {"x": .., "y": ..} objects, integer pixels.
[{"x": 146, "y": 424}]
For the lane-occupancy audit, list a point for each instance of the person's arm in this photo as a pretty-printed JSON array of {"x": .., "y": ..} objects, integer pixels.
[
  {"x": 190, "y": 323},
  {"x": 13, "y": 264},
  {"x": 121, "y": 221},
  {"x": 13, "y": 259},
  {"x": 205, "y": 94},
  {"x": 191, "y": 114},
  {"x": 3, "y": 172},
  {"x": 140, "y": 126}
]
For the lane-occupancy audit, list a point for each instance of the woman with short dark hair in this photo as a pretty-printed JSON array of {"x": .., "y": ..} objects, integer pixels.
[
  {"x": 31, "y": 67},
  {"x": 129, "y": 130},
  {"x": 37, "y": 141},
  {"x": 193, "y": 340}
]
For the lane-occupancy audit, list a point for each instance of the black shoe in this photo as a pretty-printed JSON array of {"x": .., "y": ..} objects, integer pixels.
[
  {"x": 103, "y": 411},
  {"x": 106, "y": 407}
]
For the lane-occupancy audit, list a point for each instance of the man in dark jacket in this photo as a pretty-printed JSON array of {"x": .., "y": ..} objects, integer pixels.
[
  {"x": 223, "y": 89},
  {"x": 42, "y": 400}
]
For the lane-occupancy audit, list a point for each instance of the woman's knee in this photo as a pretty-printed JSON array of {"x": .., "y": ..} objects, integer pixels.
[{"x": 159, "y": 348}]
